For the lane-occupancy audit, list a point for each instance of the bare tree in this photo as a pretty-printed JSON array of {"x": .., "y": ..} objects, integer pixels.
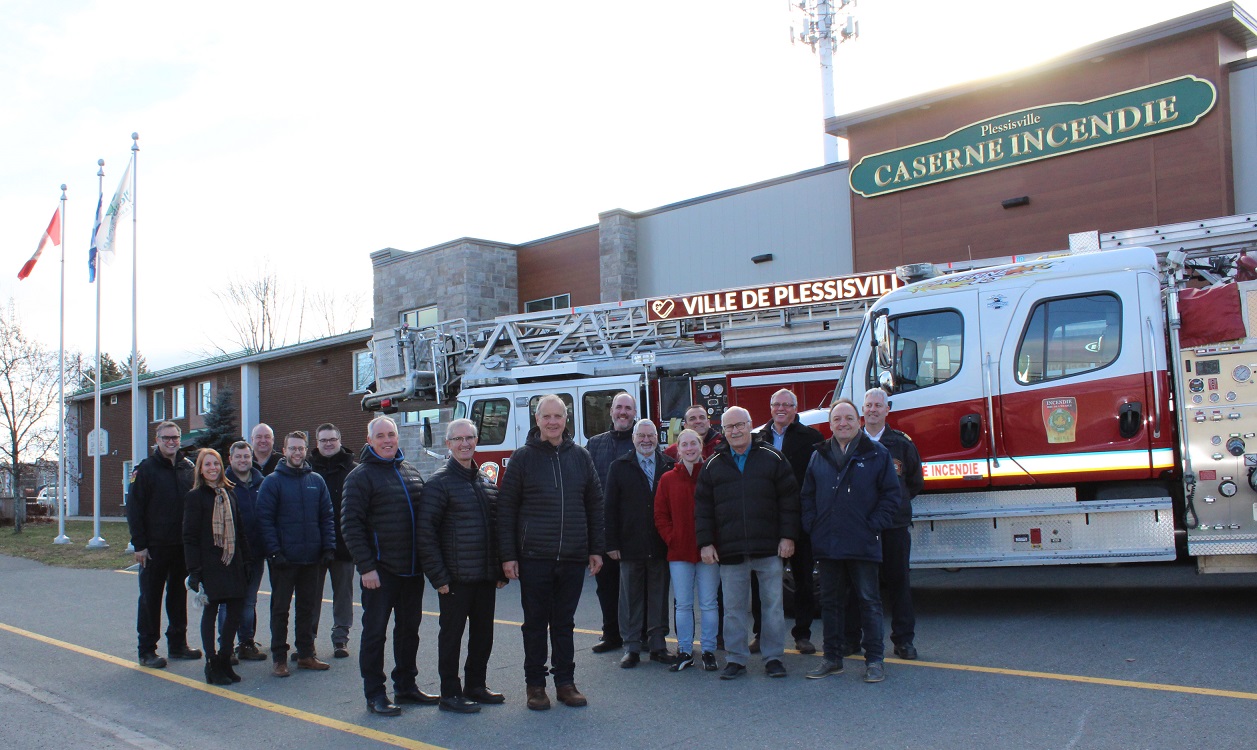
[
  {"x": 336, "y": 313},
  {"x": 28, "y": 403},
  {"x": 258, "y": 311}
]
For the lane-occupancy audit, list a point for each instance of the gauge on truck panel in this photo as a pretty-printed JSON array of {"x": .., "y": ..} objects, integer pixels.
[{"x": 1241, "y": 373}]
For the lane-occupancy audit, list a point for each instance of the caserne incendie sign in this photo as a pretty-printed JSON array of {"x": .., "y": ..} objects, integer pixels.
[{"x": 1037, "y": 133}]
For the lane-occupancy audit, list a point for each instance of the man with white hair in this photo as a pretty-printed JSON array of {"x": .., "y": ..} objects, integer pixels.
[{"x": 746, "y": 517}]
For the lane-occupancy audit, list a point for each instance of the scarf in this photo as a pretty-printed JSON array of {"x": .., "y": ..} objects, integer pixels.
[{"x": 224, "y": 524}]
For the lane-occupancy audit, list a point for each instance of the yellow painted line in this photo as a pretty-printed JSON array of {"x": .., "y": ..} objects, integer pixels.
[
  {"x": 295, "y": 713},
  {"x": 358, "y": 604}
]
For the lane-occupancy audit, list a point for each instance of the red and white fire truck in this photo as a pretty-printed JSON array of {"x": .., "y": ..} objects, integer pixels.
[{"x": 1096, "y": 406}]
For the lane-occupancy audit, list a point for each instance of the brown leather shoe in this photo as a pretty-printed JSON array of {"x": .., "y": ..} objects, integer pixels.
[
  {"x": 537, "y": 698},
  {"x": 312, "y": 662},
  {"x": 280, "y": 669},
  {"x": 570, "y": 696}
]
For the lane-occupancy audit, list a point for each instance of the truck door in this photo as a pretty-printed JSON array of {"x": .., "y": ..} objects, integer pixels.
[
  {"x": 938, "y": 397},
  {"x": 1074, "y": 387}
]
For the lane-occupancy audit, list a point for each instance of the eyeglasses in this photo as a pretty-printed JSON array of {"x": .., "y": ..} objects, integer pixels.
[
  {"x": 738, "y": 426},
  {"x": 463, "y": 439},
  {"x": 782, "y": 406},
  {"x": 169, "y": 438},
  {"x": 327, "y": 441}
]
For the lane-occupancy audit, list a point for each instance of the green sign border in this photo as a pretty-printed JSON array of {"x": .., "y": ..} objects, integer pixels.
[{"x": 1053, "y": 114}]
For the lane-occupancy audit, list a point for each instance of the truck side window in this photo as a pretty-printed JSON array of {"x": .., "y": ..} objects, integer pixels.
[
  {"x": 491, "y": 416},
  {"x": 596, "y": 411},
  {"x": 928, "y": 348},
  {"x": 1069, "y": 335},
  {"x": 567, "y": 401}
]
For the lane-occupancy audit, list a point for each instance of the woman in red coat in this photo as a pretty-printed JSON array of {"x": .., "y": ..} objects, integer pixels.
[
  {"x": 215, "y": 549},
  {"x": 674, "y": 517}
]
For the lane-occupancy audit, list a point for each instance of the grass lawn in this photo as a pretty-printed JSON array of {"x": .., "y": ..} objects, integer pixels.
[{"x": 35, "y": 543}]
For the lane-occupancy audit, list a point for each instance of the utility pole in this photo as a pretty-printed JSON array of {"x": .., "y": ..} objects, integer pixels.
[{"x": 819, "y": 33}]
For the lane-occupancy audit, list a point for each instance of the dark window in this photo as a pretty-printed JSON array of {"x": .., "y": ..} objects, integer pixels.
[
  {"x": 491, "y": 417},
  {"x": 1069, "y": 336},
  {"x": 928, "y": 348},
  {"x": 596, "y": 411}
]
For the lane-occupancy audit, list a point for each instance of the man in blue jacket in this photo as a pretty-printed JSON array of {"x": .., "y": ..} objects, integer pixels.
[
  {"x": 248, "y": 481},
  {"x": 295, "y": 516},
  {"x": 850, "y": 495}
]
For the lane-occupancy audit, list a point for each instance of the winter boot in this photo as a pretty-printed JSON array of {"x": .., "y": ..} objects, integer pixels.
[
  {"x": 214, "y": 673},
  {"x": 224, "y": 666}
]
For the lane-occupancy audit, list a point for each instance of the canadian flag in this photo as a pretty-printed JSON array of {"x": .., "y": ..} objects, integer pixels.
[{"x": 53, "y": 232}]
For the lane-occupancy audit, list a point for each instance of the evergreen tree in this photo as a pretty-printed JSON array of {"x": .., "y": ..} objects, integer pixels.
[
  {"x": 221, "y": 429},
  {"x": 112, "y": 372}
]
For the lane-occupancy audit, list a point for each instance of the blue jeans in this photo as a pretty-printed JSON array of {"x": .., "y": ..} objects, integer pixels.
[
  {"x": 736, "y": 582},
  {"x": 707, "y": 576},
  {"x": 861, "y": 575},
  {"x": 249, "y": 619}
]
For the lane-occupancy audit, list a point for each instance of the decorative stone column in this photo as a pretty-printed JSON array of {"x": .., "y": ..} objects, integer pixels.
[{"x": 617, "y": 255}]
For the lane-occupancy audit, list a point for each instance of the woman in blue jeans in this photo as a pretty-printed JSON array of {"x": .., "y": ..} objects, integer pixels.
[{"x": 674, "y": 517}]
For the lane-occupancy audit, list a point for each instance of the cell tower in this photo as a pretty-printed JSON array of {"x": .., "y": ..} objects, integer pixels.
[{"x": 818, "y": 31}]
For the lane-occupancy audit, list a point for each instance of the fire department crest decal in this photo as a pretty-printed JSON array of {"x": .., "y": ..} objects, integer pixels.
[{"x": 1060, "y": 419}]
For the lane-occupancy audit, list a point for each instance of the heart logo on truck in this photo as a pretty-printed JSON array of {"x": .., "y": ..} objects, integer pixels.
[{"x": 663, "y": 307}]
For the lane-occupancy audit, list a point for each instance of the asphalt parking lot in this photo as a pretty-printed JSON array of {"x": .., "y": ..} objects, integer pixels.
[{"x": 1095, "y": 657}]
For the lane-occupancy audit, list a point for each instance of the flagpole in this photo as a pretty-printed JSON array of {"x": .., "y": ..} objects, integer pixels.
[
  {"x": 97, "y": 541},
  {"x": 136, "y": 422},
  {"x": 62, "y": 497}
]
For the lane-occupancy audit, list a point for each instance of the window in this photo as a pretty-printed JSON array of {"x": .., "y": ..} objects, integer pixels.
[
  {"x": 126, "y": 480},
  {"x": 421, "y": 318},
  {"x": 204, "y": 397},
  {"x": 491, "y": 417},
  {"x": 928, "y": 349},
  {"x": 1069, "y": 336},
  {"x": 417, "y": 417},
  {"x": 557, "y": 302},
  {"x": 567, "y": 401},
  {"x": 176, "y": 402},
  {"x": 364, "y": 371},
  {"x": 159, "y": 406},
  {"x": 596, "y": 411}
]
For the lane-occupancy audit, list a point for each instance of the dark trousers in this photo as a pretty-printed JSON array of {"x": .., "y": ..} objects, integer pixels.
[
  {"x": 608, "y": 579},
  {"x": 644, "y": 601},
  {"x": 804, "y": 600},
  {"x": 402, "y": 597},
  {"x": 248, "y": 619},
  {"x": 303, "y": 580},
  {"x": 229, "y": 611},
  {"x": 837, "y": 577},
  {"x": 549, "y": 591},
  {"x": 466, "y": 602},
  {"x": 164, "y": 572},
  {"x": 896, "y": 551}
]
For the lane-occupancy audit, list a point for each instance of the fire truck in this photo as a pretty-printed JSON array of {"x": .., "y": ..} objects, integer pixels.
[
  {"x": 1092, "y": 406},
  {"x": 718, "y": 348}
]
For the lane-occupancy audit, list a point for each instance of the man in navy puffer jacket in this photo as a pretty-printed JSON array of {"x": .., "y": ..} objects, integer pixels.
[{"x": 850, "y": 494}]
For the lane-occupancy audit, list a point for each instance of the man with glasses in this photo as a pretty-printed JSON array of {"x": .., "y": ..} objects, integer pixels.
[
  {"x": 295, "y": 517},
  {"x": 155, "y": 515},
  {"x": 796, "y": 441},
  {"x": 333, "y": 462},
  {"x": 746, "y": 517}
]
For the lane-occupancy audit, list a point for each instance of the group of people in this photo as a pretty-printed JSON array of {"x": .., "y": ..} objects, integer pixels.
[{"x": 715, "y": 514}]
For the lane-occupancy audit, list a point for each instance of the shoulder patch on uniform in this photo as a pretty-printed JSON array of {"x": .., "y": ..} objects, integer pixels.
[{"x": 133, "y": 473}]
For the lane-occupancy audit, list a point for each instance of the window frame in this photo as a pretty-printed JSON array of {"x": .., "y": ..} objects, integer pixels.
[
  {"x": 178, "y": 402},
  {"x": 476, "y": 415},
  {"x": 553, "y": 303},
  {"x": 159, "y": 405},
  {"x": 872, "y": 371},
  {"x": 356, "y": 375},
  {"x": 418, "y": 315},
  {"x": 1021, "y": 339},
  {"x": 204, "y": 397}
]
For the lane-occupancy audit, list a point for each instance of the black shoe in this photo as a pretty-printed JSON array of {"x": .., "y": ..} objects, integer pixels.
[
  {"x": 484, "y": 695},
  {"x": 906, "y": 651},
  {"x": 774, "y": 668},
  {"x": 340, "y": 650},
  {"x": 732, "y": 671},
  {"x": 185, "y": 653},
  {"x": 459, "y": 705},
  {"x": 682, "y": 661},
  {"x": 804, "y": 645},
  {"x": 214, "y": 673},
  {"x": 294, "y": 656},
  {"x": 415, "y": 697},
  {"x": 224, "y": 666},
  {"x": 849, "y": 649},
  {"x": 663, "y": 656},
  {"x": 709, "y": 662},
  {"x": 825, "y": 669},
  {"x": 604, "y": 646},
  {"x": 629, "y": 660},
  {"x": 152, "y": 661},
  {"x": 381, "y": 705}
]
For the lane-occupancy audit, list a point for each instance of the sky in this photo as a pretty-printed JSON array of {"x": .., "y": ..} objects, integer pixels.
[{"x": 301, "y": 137}]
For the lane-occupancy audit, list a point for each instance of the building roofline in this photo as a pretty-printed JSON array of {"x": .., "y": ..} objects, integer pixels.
[
  {"x": 1229, "y": 18},
  {"x": 559, "y": 236},
  {"x": 771, "y": 182},
  {"x": 223, "y": 362},
  {"x": 389, "y": 255}
]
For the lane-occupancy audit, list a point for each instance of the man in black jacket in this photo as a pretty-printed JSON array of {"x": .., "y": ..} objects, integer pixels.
[
  {"x": 265, "y": 458},
  {"x": 380, "y": 507},
  {"x": 897, "y": 538},
  {"x": 605, "y": 448},
  {"x": 333, "y": 462},
  {"x": 796, "y": 441},
  {"x": 633, "y": 540},
  {"x": 155, "y": 515},
  {"x": 458, "y": 546},
  {"x": 746, "y": 517},
  {"x": 550, "y": 526}
]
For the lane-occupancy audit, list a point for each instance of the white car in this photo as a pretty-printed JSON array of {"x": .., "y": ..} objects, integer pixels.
[{"x": 47, "y": 497}]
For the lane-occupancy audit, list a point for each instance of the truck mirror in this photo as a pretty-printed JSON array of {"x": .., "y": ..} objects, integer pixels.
[
  {"x": 427, "y": 432},
  {"x": 881, "y": 340},
  {"x": 886, "y": 382}
]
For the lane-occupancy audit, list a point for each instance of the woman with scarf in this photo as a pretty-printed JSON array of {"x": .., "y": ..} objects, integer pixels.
[{"x": 215, "y": 549}]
